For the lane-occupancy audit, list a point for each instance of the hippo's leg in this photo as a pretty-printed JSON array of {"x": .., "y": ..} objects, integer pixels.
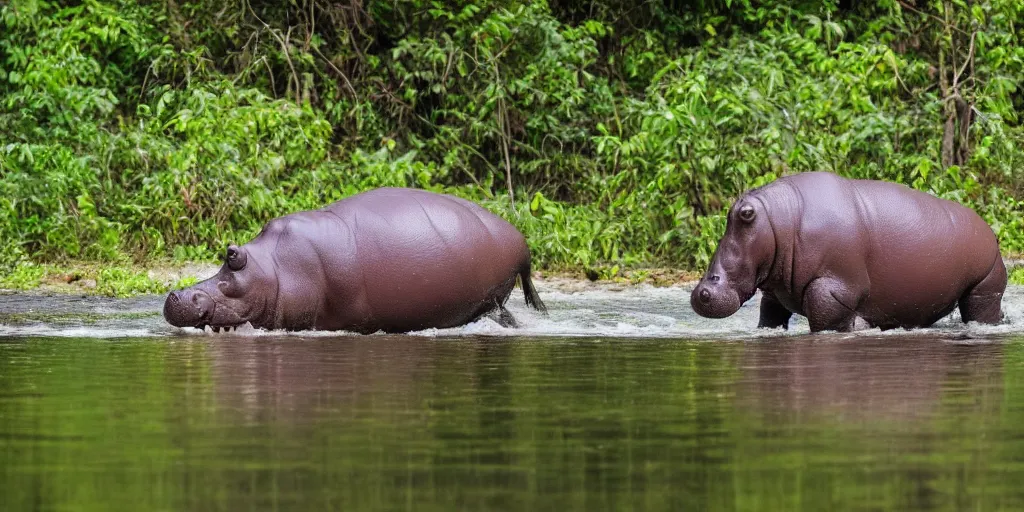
[
  {"x": 983, "y": 302},
  {"x": 773, "y": 313},
  {"x": 504, "y": 317},
  {"x": 830, "y": 305}
]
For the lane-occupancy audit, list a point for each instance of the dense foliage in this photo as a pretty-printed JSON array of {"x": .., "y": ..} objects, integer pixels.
[{"x": 610, "y": 132}]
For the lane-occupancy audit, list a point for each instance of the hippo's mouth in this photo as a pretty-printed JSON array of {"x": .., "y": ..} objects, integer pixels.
[
  {"x": 218, "y": 328},
  {"x": 199, "y": 310},
  {"x": 211, "y": 320},
  {"x": 225, "y": 318}
]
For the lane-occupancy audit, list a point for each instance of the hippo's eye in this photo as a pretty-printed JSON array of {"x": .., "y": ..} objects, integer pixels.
[
  {"x": 747, "y": 213},
  {"x": 236, "y": 258}
]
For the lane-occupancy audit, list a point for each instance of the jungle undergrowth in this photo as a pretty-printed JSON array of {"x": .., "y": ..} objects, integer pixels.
[{"x": 614, "y": 136}]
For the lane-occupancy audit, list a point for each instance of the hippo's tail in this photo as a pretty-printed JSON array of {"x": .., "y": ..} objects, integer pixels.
[{"x": 529, "y": 292}]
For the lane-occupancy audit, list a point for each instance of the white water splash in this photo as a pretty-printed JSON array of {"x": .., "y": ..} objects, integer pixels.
[{"x": 633, "y": 312}]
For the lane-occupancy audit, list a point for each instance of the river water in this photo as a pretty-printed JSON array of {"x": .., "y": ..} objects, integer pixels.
[{"x": 615, "y": 400}]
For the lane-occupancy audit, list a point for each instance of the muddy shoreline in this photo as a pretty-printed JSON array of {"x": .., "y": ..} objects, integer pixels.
[{"x": 82, "y": 278}]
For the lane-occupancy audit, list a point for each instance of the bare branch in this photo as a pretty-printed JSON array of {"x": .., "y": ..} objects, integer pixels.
[
  {"x": 348, "y": 84},
  {"x": 970, "y": 60},
  {"x": 284, "y": 48},
  {"x": 932, "y": 16}
]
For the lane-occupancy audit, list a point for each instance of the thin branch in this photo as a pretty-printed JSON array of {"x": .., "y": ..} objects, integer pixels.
[
  {"x": 970, "y": 60},
  {"x": 949, "y": 31},
  {"x": 447, "y": 69},
  {"x": 348, "y": 84},
  {"x": 270, "y": 71},
  {"x": 312, "y": 23},
  {"x": 284, "y": 48},
  {"x": 298, "y": 84},
  {"x": 503, "y": 128},
  {"x": 932, "y": 16}
]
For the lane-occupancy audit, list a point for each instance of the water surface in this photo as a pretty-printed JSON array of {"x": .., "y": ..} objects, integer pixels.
[{"x": 616, "y": 400}]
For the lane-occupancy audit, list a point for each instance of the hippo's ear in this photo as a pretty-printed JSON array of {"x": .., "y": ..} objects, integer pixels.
[
  {"x": 235, "y": 258},
  {"x": 747, "y": 213}
]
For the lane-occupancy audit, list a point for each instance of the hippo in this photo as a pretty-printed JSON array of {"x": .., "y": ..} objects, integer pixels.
[
  {"x": 390, "y": 259},
  {"x": 836, "y": 250}
]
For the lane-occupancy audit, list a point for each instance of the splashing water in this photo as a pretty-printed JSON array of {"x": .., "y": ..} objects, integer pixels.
[{"x": 634, "y": 312}]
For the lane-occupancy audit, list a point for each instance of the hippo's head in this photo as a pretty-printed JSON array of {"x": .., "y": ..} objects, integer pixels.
[
  {"x": 741, "y": 262},
  {"x": 244, "y": 290}
]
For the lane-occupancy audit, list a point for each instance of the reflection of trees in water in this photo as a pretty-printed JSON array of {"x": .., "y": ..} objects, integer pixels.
[
  {"x": 482, "y": 423},
  {"x": 587, "y": 424},
  {"x": 384, "y": 422}
]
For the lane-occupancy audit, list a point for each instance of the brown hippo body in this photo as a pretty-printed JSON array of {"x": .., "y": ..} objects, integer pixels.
[
  {"x": 390, "y": 259},
  {"x": 834, "y": 249}
]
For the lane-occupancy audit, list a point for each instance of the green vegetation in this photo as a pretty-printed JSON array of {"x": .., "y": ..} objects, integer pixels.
[
  {"x": 114, "y": 281},
  {"x": 612, "y": 133},
  {"x": 1016, "y": 275}
]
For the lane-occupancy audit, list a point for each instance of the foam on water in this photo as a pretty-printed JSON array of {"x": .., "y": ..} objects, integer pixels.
[
  {"x": 49, "y": 331},
  {"x": 633, "y": 312}
]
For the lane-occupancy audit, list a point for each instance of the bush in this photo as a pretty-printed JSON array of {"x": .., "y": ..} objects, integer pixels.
[{"x": 611, "y": 133}]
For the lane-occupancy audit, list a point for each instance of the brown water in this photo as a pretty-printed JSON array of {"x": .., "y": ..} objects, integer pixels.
[{"x": 102, "y": 407}]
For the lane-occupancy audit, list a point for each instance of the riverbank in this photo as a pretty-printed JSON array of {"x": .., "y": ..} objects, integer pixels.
[{"x": 130, "y": 280}]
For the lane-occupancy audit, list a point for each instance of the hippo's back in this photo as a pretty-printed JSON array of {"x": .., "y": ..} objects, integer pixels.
[{"x": 428, "y": 260}]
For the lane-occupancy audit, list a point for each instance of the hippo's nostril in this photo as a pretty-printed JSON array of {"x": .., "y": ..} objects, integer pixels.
[{"x": 705, "y": 296}]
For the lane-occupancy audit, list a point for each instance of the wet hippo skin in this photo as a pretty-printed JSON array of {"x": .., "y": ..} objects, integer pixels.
[
  {"x": 834, "y": 249},
  {"x": 390, "y": 259}
]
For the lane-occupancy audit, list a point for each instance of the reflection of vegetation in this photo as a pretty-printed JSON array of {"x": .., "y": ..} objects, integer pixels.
[
  {"x": 573, "y": 424},
  {"x": 158, "y": 129},
  {"x": 95, "y": 418}
]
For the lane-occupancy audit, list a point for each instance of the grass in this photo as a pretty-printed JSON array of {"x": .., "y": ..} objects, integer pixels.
[
  {"x": 1017, "y": 275},
  {"x": 94, "y": 279}
]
